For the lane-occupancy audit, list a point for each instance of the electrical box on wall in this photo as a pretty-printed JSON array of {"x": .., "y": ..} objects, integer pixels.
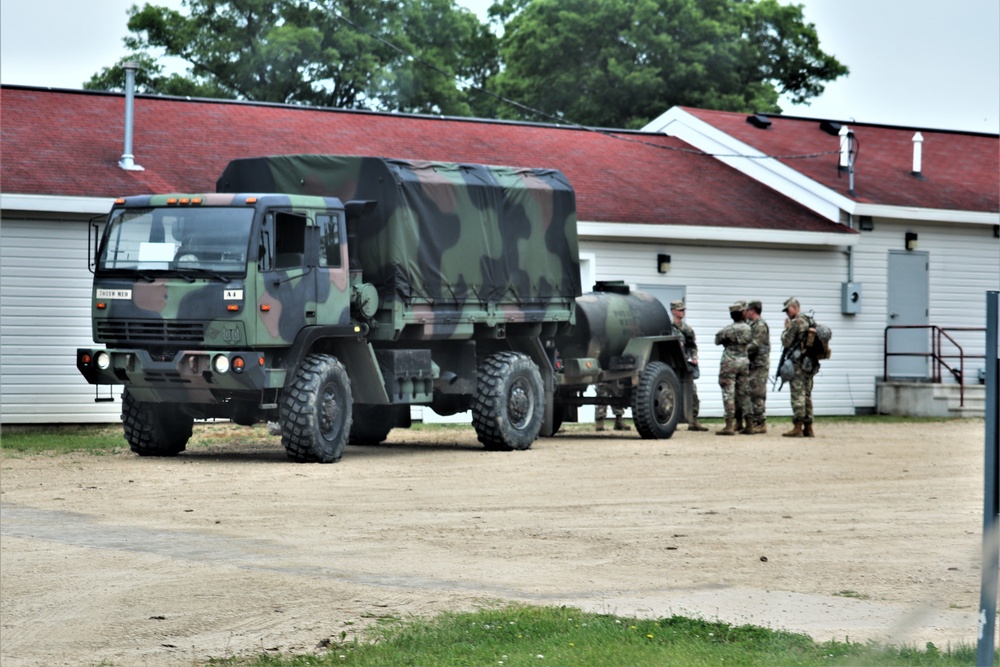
[{"x": 850, "y": 298}]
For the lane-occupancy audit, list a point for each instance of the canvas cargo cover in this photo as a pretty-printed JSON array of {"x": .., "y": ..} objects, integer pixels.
[{"x": 442, "y": 232}]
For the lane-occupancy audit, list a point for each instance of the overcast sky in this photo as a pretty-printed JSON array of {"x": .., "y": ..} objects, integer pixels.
[{"x": 920, "y": 63}]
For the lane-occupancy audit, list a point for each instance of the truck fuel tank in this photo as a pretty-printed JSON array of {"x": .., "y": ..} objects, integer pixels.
[{"x": 608, "y": 318}]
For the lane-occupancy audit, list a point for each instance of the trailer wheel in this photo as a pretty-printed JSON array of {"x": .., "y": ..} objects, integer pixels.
[
  {"x": 155, "y": 429},
  {"x": 508, "y": 409},
  {"x": 371, "y": 424},
  {"x": 316, "y": 411},
  {"x": 655, "y": 406}
]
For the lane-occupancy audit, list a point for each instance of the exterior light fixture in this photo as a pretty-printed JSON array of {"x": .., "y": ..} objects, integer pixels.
[
  {"x": 911, "y": 240},
  {"x": 662, "y": 263}
]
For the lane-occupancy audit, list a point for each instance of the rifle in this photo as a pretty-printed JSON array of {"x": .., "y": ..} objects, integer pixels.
[{"x": 793, "y": 351}]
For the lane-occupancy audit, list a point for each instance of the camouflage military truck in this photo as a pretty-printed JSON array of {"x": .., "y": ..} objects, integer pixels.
[{"x": 366, "y": 286}]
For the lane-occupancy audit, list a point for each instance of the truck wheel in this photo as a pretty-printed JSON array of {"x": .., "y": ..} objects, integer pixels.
[
  {"x": 316, "y": 411},
  {"x": 508, "y": 408},
  {"x": 655, "y": 408},
  {"x": 371, "y": 424},
  {"x": 153, "y": 429}
]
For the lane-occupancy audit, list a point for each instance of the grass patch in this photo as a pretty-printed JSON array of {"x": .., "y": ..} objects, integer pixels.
[
  {"x": 520, "y": 635},
  {"x": 96, "y": 439}
]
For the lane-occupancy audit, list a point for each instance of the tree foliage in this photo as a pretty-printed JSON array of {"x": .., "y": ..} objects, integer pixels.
[
  {"x": 349, "y": 53},
  {"x": 620, "y": 63},
  {"x": 613, "y": 63}
]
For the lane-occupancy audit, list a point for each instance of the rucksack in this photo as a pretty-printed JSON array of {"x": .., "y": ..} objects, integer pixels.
[{"x": 817, "y": 345}]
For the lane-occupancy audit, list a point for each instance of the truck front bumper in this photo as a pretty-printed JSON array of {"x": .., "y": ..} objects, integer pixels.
[{"x": 189, "y": 376}]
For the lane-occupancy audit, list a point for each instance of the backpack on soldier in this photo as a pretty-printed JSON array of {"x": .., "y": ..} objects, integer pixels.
[{"x": 816, "y": 344}]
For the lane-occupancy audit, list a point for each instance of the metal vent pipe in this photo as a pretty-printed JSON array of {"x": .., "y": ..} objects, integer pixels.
[{"x": 128, "y": 161}]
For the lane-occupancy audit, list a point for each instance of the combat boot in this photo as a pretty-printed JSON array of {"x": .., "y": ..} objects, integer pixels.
[
  {"x": 621, "y": 425},
  {"x": 761, "y": 426},
  {"x": 599, "y": 425},
  {"x": 738, "y": 425},
  {"x": 807, "y": 430},
  {"x": 695, "y": 425},
  {"x": 728, "y": 429},
  {"x": 795, "y": 432},
  {"x": 748, "y": 428}
]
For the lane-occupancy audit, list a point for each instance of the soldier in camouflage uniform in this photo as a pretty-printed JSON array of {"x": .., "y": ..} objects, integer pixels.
[
  {"x": 798, "y": 325},
  {"x": 683, "y": 329},
  {"x": 735, "y": 367},
  {"x": 759, "y": 352},
  {"x": 601, "y": 410}
]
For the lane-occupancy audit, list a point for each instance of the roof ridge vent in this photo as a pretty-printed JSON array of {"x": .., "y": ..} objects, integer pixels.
[
  {"x": 759, "y": 121},
  {"x": 128, "y": 161}
]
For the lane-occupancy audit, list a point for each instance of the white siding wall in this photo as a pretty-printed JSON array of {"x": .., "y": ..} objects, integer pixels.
[
  {"x": 964, "y": 263},
  {"x": 45, "y": 292}
]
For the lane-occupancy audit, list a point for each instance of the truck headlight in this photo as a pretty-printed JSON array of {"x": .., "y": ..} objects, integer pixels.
[
  {"x": 220, "y": 363},
  {"x": 103, "y": 360}
]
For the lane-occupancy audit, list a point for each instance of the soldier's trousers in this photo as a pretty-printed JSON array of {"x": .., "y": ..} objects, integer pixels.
[
  {"x": 757, "y": 388},
  {"x": 734, "y": 390},
  {"x": 802, "y": 402}
]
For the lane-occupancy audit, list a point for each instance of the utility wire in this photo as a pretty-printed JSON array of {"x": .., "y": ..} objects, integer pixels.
[{"x": 559, "y": 121}]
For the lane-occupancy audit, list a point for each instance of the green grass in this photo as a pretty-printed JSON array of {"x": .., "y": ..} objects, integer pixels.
[
  {"x": 517, "y": 636},
  {"x": 98, "y": 439}
]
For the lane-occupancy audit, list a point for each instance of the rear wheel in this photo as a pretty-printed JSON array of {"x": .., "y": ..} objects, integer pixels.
[
  {"x": 509, "y": 405},
  {"x": 655, "y": 408},
  {"x": 155, "y": 429},
  {"x": 316, "y": 411}
]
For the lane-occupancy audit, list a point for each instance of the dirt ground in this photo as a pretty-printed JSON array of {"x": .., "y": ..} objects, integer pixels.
[{"x": 865, "y": 532}]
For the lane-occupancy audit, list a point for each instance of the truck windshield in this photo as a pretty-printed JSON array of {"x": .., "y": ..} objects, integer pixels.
[{"x": 192, "y": 240}]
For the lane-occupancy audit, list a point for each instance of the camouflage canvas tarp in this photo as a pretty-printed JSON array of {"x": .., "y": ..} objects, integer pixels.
[{"x": 441, "y": 232}]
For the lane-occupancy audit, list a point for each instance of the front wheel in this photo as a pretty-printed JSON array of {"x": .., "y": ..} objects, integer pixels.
[
  {"x": 155, "y": 429},
  {"x": 509, "y": 405},
  {"x": 655, "y": 405},
  {"x": 316, "y": 411}
]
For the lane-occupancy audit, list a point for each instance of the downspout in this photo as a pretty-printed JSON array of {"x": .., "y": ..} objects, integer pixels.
[{"x": 128, "y": 161}]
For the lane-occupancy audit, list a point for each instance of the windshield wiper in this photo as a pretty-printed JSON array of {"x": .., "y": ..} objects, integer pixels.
[{"x": 184, "y": 273}]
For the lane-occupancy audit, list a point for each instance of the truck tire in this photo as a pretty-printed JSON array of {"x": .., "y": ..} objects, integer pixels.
[
  {"x": 155, "y": 429},
  {"x": 316, "y": 411},
  {"x": 655, "y": 408},
  {"x": 509, "y": 405},
  {"x": 370, "y": 424}
]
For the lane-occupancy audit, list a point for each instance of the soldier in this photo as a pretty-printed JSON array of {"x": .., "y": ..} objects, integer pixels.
[
  {"x": 601, "y": 410},
  {"x": 759, "y": 352},
  {"x": 683, "y": 329},
  {"x": 734, "y": 368},
  {"x": 798, "y": 326}
]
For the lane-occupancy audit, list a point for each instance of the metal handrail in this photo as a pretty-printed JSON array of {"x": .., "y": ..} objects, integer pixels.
[{"x": 936, "y": 353}]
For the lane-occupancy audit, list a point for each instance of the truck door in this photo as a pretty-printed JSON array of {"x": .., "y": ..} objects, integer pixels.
[{"x": 286, "y": 282}]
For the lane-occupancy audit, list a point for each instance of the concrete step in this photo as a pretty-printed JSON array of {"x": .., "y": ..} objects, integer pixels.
[{"x": 925, "y": 399}]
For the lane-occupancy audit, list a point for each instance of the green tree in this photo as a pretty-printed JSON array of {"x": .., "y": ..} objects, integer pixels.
[
  {"x": 620, "y": 63},
  {"x": 370, "y": 54}
]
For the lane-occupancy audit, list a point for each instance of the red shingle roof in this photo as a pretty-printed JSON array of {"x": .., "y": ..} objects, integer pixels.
[
  {"x": 960, "y": 170},
  {"x": 59, "y": 142}
]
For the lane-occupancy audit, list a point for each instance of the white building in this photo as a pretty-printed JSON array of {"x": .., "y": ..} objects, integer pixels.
[{"x": 735, "y": 223}]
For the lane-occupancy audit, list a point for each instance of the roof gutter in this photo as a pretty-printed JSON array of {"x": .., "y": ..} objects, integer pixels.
[
  {"x": 639, "y": 233},
  {"x": 56, "y": 204}
]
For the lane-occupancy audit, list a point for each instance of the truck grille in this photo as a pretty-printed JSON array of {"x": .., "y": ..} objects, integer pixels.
[{"x": 161, "y": 331}]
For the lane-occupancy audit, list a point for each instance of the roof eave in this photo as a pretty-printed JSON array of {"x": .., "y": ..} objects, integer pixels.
[
  {"x": 55, "y": 204},
  {"x": 640, "y": 232}
]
